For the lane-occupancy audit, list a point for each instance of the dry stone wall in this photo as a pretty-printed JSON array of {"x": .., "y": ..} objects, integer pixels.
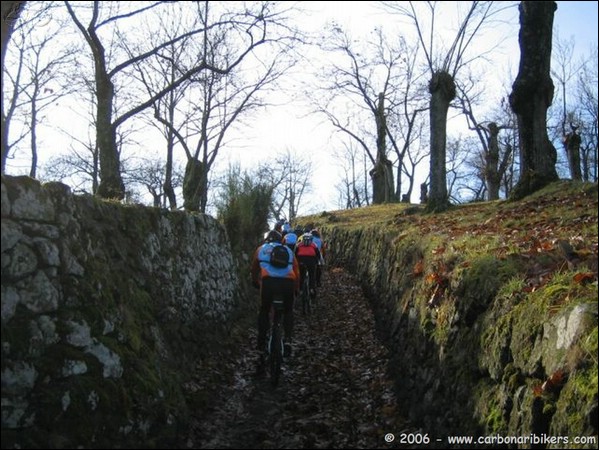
[
  {"x": 105, "y": 310},
  {"x": 479, "y": 364}
]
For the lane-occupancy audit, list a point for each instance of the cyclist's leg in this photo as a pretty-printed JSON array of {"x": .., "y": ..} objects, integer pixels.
[
  {"x": 302, "y": 272},
  {"x": 263, "y": 315},
  {"x": 312, "y": 269},
  {"x": 288, "y": 316},
  {"x": 305, "y": 262},
  {"x": 288, "y": 311}
]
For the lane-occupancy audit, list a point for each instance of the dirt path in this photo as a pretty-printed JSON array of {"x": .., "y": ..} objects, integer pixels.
[{"x": 334, "y": 392}]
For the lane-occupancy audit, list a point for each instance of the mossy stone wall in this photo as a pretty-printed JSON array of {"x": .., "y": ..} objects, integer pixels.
[
  {"x": 473, "y": 352},
  {"x": 106, "y": 311}
]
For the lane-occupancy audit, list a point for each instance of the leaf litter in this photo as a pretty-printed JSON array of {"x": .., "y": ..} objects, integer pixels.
[{"x": 335, "y": 391}]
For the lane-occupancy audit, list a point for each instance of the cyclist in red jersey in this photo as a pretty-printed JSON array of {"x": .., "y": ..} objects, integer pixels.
[{"x": 307, "y": 253}]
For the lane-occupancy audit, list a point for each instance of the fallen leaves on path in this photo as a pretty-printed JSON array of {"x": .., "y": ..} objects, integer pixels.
[{"x": 334, "y": 392}]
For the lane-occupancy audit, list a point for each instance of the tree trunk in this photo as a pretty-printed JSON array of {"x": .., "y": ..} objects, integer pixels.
[
  {"x": 442, "y": 89},
  {"x": 423, "y": 193},
  {"x": 193, "y": 185},
  {"x": 10, "y": 13},
  {"x": 33, "y": 138},
  {"x": 572, "y": 145},
  {"x": 382, "y": 176},
  {"x": 169, "y": 191},
  {"x": 492, "y": 172},
  {"x": 111, "y": 183},
  {"x": 383, "y": 189},
  {"x": 532, "y": 94}
]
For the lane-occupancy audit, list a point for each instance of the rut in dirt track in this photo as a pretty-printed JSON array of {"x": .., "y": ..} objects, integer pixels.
[{"x": 334, "y": 391}]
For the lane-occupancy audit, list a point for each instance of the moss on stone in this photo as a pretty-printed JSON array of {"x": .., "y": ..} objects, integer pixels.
[
  {"x": 491, "y": 409},
  {"x": 576, "y": 407}
]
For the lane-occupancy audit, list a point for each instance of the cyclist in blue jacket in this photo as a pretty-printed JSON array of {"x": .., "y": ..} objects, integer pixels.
[
  {"x": 272, "y": 280},
  {"x": 290, "y": 239}
]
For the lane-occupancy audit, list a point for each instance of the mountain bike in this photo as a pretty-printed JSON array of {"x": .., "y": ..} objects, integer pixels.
[
  {"x": 275, "y": 347},
  {"x": 305, "y": 298}
]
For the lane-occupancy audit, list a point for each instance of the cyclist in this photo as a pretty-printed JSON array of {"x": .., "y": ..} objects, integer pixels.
[
  {"x": 321, "y": 246},
  {"x": 279, "y": 226},
  {"x": 307, "y": 253},
  {"x": 286, "y": 227},
  {"x": 272, "y": 280},
  {"x": 290, "y": 239}
]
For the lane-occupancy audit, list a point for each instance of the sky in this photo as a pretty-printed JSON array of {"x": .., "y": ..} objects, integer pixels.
[
  {"x": 292, "y": 125},
  {"x": 284, "y": 127}
]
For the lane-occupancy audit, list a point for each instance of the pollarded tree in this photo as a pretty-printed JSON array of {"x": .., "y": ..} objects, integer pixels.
[
  {"x": 532, "y": 94},
  {"x": 493, "y": 159},
  {"x": 564, "y": 71},
  {"x": 368, "y": 97},
  {"x": 572, "y": 116},
  {"x": 379, "y": 81},
  {"x": 444, "y": 64}
]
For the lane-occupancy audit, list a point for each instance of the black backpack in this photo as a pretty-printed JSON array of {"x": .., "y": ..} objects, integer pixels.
[{"x": 279, "y": 256}]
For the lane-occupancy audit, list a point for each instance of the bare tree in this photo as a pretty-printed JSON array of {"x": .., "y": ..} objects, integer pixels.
[
  {"x": 532, "y": 93},
  {"x": 11, "y": 11},
  {"x": 79, "y": 165},
  {"x": 588, "y": 119},
  {"x": 575, "y": 124},
  {"x": 250, "y": 26},
  {"x": 564, "y": 71},
  {"x": 419, "y": 151},
  {"x": 164, "y": 70},
  {"x": 199, "y": 114},
  {"x": 459, "y": 151},
  {"x": 37, "y": 75},
  {"x": 150, "y": 174},
  {"x": 378, "y": 79},
  {"x": 382, "y": 172},
  {"x": 353, "y": 188},
  {"x": 444, "y": 66},
  {"x": 406, "y": 121},
  {"x": 291, "y": 179},
  {"x": 493, "y": 160},
  {"x": 477, "y": 188}
]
